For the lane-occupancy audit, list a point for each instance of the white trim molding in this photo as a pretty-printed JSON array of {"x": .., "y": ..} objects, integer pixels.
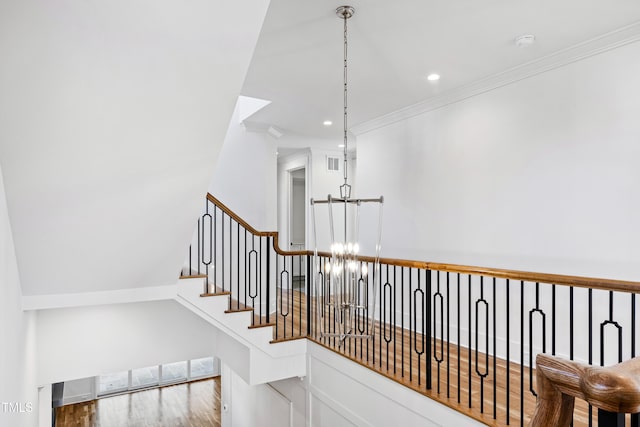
[{"x": 595, "y": 46}]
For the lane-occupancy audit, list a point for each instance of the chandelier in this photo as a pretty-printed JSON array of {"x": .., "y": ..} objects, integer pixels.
[{"x": 346, "y": 284}]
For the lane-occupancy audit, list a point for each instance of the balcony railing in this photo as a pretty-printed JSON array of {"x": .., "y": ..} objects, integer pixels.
[{"x": 465, "y": 336}]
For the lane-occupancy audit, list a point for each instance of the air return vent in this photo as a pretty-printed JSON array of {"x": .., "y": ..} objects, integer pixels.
[{"x": 333, "y": 164}]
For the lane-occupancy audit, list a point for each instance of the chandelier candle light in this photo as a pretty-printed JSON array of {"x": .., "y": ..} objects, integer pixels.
[{"x": 345, "y": 297}]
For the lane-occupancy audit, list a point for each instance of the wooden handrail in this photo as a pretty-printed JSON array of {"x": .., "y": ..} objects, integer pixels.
[
  {"x": 516, "y": 275},
  {"x": 252, "y": 230},
  {"x": 614, "y": 389}
]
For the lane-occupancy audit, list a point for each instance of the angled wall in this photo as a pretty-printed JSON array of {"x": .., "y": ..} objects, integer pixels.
[{"x": 111, "y": 120}]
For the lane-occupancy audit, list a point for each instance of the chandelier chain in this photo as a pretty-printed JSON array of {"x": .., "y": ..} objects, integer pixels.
[{"x": 345, "y": 17}]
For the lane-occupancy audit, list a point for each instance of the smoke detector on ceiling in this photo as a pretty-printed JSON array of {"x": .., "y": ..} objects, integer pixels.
[{"x": 525, "y": 40}]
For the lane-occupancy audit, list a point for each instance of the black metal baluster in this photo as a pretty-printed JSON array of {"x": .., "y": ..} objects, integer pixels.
[
  {"x": 199, "y": 256},
  {"x": 411, "y": 333},
  {"x": 606, "y": 418},
  {"x": 268, "y": 276},
  {"x": 284, "y": 274},
  {"x": 237, "y": 260},
  {"x": 419, "y": 351},
  {"x": 259, "y": 284},
  {"x": 245, "y": 265},
  {"x": 544, "y": 336},
  {"x": 206, "y": 218},
  {"x": 610, "y": 419},
  {"x": 448, "y": 342},
  {"x": 278, "y": 306},
  {"x": 590, "y": 345},
  {"x": 402, "y": 317},
  {"x": 508, "y": 376},
  {"x": 363, "y": 297},
  {"x": 635, "y": 418},
  {"x": 469, "y": 334},
  {"x": 428, "y": 328},
  {"x": 458, "y": 333},
  {"x": 571, "y": 329},
  {"x": 484, "y": 374},
  {"x": 553, "y": 320},
  {"x": 386, "y": 322},
  {"x": 223, "y": 252},
  {"x": 253, "y": 293},
  {"x": 438, "y": 306},
  {"x": 380, "y": 328},
  {"x": 308, "y": 290},
  {"x": 522, "y": 353},
  {"x": 299, "y": 297},
  {"x": 290, "y": 297},
  {"x": 495, "y": 380},
  {"x": 395, "y": 330},
  {"x": 215, "y": 248}
]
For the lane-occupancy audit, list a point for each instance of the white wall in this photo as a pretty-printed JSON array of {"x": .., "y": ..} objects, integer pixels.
[
  {"x": 17, "y": 335},
  {"x": 537, "y": 175},
  {"x": 324, "y": 183},
  {"x": 248, "y": 406},
  {"x": 336, "y": 392},
  {"x": 88, "y": 341},
  {"x": 245, "y": 175}
]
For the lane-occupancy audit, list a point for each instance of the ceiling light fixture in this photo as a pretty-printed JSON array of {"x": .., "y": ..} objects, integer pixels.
[
  {"x": 327, "y": 123},
  {"x": 345, "y": 291},
  {"x": 433, "y": 77}
]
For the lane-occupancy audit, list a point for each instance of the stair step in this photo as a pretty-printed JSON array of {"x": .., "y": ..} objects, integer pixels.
[
  {"x": 238, "y": 307},
  {"x": 216, "y": 294},
  {"x": 277, "y": 340},
  {"x": 194, "y": 276},
  {"x": 238, "y": 310},
  {"x": 262, "y": 325}
]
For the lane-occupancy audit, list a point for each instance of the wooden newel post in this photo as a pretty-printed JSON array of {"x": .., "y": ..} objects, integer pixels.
[
  {"x": 553, "y": 407},
  {"x": 614, "y": 389}
]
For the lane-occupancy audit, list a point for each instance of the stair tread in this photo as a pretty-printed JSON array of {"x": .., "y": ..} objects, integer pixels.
[
  {"x": 257, "y": 322},
  {"x": 193, "y": 276},
  {"x": 262, "y": 325},
  {"x": 279, "y": 340},
  {"x": 239, "y": 310},
  {"x": 215, "y": 294}
]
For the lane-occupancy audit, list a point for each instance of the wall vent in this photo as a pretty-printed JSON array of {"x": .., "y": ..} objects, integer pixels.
[{"x": 333, "y": 164}]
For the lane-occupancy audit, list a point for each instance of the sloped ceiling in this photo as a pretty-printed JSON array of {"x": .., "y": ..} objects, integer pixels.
[
  {"x": 394, "y": 45},
  {"x": 112, "y": 115}
]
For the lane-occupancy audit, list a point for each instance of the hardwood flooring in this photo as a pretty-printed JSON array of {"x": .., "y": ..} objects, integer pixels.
[
  {"x": 474, "y": 385},
  {"x": 194, "y": 404}
]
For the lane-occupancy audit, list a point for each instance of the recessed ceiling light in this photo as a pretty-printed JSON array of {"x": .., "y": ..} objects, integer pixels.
[
  {"x": 525, "y": 40},
  {"x": 433, "y": 77},
  {"x": 327, "y": 123},
  {"x": 341, "y": 146}
]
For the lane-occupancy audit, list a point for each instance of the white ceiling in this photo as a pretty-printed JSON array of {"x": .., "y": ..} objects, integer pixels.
[
  {"x": 112, "y": 115},
  {"x": 393, "y": 46}
]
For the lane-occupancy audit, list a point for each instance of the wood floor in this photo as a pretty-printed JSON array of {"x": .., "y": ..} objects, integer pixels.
[
  {"x": 194, "y": 404},
  {"x": 463, "y": 386}
]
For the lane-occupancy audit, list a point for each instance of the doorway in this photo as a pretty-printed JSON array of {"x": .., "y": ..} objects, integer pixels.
[{"x": 297, "y": 223}]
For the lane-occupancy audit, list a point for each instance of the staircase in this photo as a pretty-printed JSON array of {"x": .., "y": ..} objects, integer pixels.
[{"x": 245, "y": 347}]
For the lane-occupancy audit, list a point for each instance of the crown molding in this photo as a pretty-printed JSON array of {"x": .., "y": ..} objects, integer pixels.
[{"x": 595, "y": 46}]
